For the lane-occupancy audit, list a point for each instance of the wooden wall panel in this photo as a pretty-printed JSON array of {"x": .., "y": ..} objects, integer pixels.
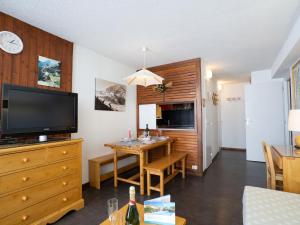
[
  {"x": 22, "y": 69},
  {"x": 186, "y": 87}
]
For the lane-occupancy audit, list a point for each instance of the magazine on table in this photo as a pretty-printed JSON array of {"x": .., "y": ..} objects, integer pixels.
[{"x": 159, "y": 211}]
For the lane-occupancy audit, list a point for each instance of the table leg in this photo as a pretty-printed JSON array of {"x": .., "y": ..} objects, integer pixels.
[
  {"x": 115, "y": 169},
  {"x": 168, "y": 153},
  {"x": 161, "y": 184},
  {"x": 147, "y": 157},
  {"x": 169, "y": 148},
  {"x": 142, "y": 173},
  {"x": 148, "y": 183}
]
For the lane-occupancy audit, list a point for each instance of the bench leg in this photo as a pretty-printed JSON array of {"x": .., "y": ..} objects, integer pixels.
[
  {"x": 183, "y": 167},
  {"x": 94, "y": 174},
  {"x": 161, "y": 184},
  {"x": 148, "y": 183},
  {"x": 115, "y": 169},
  {"x": 98, "y": 176}
]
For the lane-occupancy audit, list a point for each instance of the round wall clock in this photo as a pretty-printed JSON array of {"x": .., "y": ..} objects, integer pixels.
[{"x": 10, "y": 42}]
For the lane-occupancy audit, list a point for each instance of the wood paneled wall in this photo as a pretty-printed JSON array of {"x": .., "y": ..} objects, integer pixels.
[
  {"x": 186, "y": 87},
  {"x": 22, "y": 69}
]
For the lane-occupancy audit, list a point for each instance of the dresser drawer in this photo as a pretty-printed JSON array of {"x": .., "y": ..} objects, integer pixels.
[
  {"x": 17, "y": 161},
  {"x": 23, "y": 199},
  {"x": 63, "y": 152},
  {"x": 40, "y": 210},
  {"x": 23, "y": 179}
]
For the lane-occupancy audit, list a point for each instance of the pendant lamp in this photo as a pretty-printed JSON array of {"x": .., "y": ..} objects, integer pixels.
[{"x": 144, "y": 77}]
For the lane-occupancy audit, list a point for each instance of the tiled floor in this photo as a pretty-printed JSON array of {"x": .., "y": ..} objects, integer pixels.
[{"x": 215, "y": 199}]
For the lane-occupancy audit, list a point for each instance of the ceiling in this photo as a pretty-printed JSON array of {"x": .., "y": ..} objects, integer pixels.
[{"x": 234, "y": 37}]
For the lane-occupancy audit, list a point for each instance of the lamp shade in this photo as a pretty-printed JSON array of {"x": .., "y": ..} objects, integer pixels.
[
  {"x": 143, "y": 77},
  {"x": 294, "y": 120}
]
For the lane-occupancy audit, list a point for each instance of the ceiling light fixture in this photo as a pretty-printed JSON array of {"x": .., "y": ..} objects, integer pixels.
[{"x": 144, "y": 77}]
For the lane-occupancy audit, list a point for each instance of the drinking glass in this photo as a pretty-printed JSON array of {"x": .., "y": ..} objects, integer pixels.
[{"x": 112, "y": 209}]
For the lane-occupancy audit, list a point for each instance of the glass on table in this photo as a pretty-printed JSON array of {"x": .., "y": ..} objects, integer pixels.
[{"x": 112, "y": 210}]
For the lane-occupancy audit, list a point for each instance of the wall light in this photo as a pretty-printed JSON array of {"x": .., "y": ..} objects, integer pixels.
[
  {"x": 220, "y": 86},
  {"x": 209, "y": 74}
]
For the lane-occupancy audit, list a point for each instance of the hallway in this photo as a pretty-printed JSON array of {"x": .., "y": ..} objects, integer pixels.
[{"x": 215, "y": 199}]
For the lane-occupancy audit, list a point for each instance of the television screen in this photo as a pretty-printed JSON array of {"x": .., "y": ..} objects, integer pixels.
[{"x": 32, "y": 110}]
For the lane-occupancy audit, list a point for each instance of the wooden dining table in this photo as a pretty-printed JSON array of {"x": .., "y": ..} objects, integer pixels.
[
  {"x": 141, "y": 150},
  {"x": 287, "y": 158}
]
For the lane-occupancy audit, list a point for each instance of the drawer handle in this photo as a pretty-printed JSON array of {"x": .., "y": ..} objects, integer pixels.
[
  {"x": 25, "y": 217},
  {"x": 25, "y": 179},
  {"x": 64, "y": 152},
  {"x": 64, "y": 183},
  {"x": 25, "y": 160},
  {"x": 24, "y": 198},
  {"x": 65, "y": 199},
  {"x": 64, "y": 167}
]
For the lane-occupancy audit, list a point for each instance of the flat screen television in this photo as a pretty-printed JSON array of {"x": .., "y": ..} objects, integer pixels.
[{"x": 37, "y": 111}]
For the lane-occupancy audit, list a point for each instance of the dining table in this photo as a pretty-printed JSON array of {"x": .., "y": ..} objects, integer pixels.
[
  {"x": 141, "y": 149},
  {"x": 287, "y": 158}
]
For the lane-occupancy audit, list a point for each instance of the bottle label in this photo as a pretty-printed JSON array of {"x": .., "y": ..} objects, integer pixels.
[{"x": 131, "y": 202}]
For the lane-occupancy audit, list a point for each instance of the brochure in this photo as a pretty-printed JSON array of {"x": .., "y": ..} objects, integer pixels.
[{"x": 159, "y": 211}]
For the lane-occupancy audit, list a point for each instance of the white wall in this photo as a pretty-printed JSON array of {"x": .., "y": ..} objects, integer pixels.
[
  {"x": 261, "y": 76},
  {"x": 289, "y": 52},
  {"x": 212, "y": 122},
  {"x": 233, "y": 129},
  {"x": 210, "y": 134},
  {"x": 99, "y": 127}
]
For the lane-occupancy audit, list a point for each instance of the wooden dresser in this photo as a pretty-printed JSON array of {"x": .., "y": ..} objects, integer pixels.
[{"x": 40, "y": 183}]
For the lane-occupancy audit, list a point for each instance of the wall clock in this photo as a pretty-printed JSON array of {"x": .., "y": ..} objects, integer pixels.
[{"x": 10, "y": 42}]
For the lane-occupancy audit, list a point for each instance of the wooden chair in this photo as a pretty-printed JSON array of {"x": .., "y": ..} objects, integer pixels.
[{"x": 274, "y": 174}]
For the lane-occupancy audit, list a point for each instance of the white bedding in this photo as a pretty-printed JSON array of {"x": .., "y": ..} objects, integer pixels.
[{"x": 269, "y": 207}]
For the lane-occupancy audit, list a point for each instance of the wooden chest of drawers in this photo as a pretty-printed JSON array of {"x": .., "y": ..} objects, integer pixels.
[{"x": 40, "y": 183}]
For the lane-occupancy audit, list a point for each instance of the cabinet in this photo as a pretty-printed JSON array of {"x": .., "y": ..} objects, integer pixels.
[{"x": 40, "y": 183}]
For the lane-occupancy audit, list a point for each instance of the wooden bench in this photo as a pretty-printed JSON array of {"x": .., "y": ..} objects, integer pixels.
[
  {"x": 159, "y": 166},
  {"x": 95, "y": 164}
]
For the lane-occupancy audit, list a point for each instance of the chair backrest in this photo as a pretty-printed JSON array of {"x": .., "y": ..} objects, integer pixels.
[{"x": 269, "y": 165}]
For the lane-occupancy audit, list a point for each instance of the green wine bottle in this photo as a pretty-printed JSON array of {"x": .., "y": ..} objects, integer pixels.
[{"x": 132, "y": 214}]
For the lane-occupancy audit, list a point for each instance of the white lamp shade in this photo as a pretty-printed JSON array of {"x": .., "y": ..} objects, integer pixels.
[
  {"x": 294, "y": 120},
  {"x": 144, "y": 77}
]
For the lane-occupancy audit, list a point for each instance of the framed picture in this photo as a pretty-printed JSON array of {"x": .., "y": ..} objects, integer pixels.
[
  {"x": 295, "y": 83},
  {"x": 109, "y": 96},
  {"x": 49, "y": 72}
]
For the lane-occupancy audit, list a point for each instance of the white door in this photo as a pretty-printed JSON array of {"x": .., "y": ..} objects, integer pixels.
[{"x": 265, "y": 117}]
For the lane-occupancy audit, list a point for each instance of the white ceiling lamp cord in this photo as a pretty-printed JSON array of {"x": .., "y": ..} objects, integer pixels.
[{"x": 144, "y": 50}]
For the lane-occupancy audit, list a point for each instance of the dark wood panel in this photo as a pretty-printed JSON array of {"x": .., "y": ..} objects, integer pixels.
[
  {"x": 185, "y": 77},
  {"x": 22, "y": 69}
]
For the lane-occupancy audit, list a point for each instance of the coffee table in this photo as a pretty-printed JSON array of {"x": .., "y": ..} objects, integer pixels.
[{"x": 179, "y": 220}]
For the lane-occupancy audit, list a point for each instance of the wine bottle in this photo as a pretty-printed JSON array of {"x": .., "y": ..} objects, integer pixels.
[
  {"x": 132, "y": 214},
  {"x": 147, "y": 131}
]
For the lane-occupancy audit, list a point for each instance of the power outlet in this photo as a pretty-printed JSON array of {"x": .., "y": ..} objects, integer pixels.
[{"x": 194, "y": 167}]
